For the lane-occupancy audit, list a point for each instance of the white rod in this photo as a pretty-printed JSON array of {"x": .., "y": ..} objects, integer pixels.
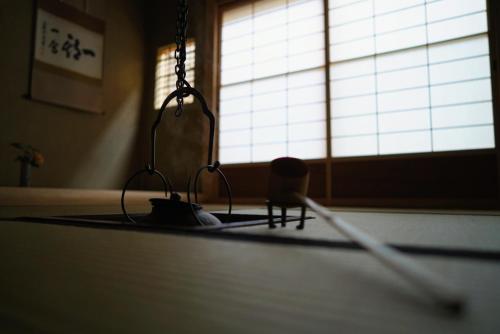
[{"x": 443, "y": 293}]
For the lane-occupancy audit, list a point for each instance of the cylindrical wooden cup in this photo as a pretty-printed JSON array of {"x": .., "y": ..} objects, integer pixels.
[{"x": 288, "y": 176}]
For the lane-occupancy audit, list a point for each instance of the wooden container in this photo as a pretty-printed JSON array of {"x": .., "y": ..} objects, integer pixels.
[{"x": 288, "y": 176}]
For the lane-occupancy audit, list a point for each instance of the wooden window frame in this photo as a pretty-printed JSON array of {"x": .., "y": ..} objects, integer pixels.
[{"x": 467, "y": 179}]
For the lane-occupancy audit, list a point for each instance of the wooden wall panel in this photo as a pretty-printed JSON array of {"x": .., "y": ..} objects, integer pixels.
[{"x": 471, "y": 176}]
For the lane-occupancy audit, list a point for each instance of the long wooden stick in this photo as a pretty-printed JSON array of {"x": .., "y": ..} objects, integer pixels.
[{"x": 440, "y": 291}]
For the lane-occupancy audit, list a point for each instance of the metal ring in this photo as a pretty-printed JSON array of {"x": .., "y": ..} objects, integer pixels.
[
  {"x": 166, "y": 185},
  {"x": 191, "y": 203},
  {"x": 211, "y": 169}
]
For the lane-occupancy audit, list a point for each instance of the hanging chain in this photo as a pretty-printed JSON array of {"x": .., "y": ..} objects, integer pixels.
[{"x": 180, "y": 53}]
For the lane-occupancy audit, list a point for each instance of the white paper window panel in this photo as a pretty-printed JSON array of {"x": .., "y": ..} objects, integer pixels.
[
  {"x": 235, "y": 138},
  {"x": 158, "y": 100},
  {"x": 270, "y": 19},
  {"x": 237, "y": 90},
  {"x": 307, "y": 131},
  {"x": 161, "y": 70},
  {"x": 404, "y": 121},
  {"x": 354, "y": 126},
  {"x": 464, "y": 138},
  {"x": 269, "y": 117},
  {"x": 351, "y": 31},
  {"x": 236, "y": 29},
  {"x": 352, "y": 87},
  {"x": 403, "y": 100},
  {"x": 237, "y": 74},
  {"x": 401, "y": 39},
  {"x": 304, "y": 9},
  {"x": 461, "y": 48},
  {"x": 306, "y": 60},
  {"x": 160, "y": 91},
  {"x": 162, "y": 81},
  {"x": 269, "y": 101},
  {"x": 462, "y": 92},
  {"x": 402, "y": 59},
  {"x": 460, "y": 70},
  {"x": 354, "y": 146},
  {"x": 400, "y": 19},
  {"x": 306, "y": 43},
  {"x": 359, "y": 105},
  {"x": 164, "y": 57},
  {"x": 271, "y": 51},
  {"x": 270, "y": 134},
  {"x": 235, "y": 122},
  {"x": 314, "y": 149},
  {"x": 190, "y": 74},
  {"x": 189, "y": 62},
  {"x": 305, "y": 27},
  {"x": 354, "y": 49},
  {"x": 306, "y": 78},
  {"x": 458, "y": 27},
  {"x": 445, "y": 9},
  {"x": 306, "y": 95},
  {"x": 271, "y": 93},
  {"x": 162, "y": 67},
  {"x": 238, "y": 59},
  {"x": 354, "y": 12},
  {"x": 407, "y": 142},
  {"x": 353, "y": 68},
  {"x": 340, "y": 3},
  {"x": 402, "y": 79},
  {"x": 190, "y": 47},
  {"x": 269, "y": 85},
  {"x": 462, "y": 115},
  {"x": 386, "y": 6},
  {"x": 236, "y": 44},
  {"x": 171, "y": 78},
  {"x": 437, "y": 10},
  {"x": 306, "y": 112},
  {"x": 270, "y": 68},
  {"x": 270, "y": 36},
  {"x": 235, "y": 106},
  {"x": 268, "y": 152},
  {"x": 229, "y": 155}
]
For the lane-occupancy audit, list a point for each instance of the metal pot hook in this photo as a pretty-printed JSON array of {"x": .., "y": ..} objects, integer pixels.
[{"x": 211, "y": 166}]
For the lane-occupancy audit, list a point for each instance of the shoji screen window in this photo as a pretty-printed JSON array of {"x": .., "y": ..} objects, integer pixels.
[
  {"x": 272, "y": 85},
  {"x": 165, "y": 71},
  {"x": 409, "y": 76}
]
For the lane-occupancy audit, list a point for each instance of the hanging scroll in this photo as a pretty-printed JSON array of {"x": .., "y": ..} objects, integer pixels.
[{"x": 68, "y": 50}]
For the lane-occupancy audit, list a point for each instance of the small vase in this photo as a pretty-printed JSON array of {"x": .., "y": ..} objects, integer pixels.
[{"x": 25, "y": 176}]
